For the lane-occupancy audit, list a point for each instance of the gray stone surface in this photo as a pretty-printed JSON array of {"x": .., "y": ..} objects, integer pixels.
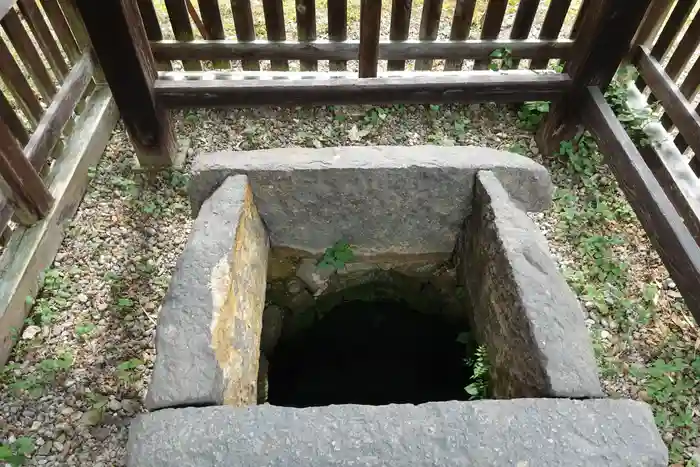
[
  {"x": 517, "y": 433},
  {"x": 382, "y": 199},
  {"x": 524, "y": 312},
  {"x": 207, "y": 343}
]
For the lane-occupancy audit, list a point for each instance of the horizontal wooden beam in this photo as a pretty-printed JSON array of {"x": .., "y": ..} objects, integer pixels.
[
  {"x": 662, "y": 223},
  {"x": 49, "y": 129},
  {"x": 349, "y": 50},
  {"x": 665, "y": 90},
  {"x": 412, "y": 88}
]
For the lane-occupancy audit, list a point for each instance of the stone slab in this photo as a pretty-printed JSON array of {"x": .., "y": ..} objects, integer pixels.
[
  {"x": 382, "y": 199},
  {"x": 208, "y": 332},
  {"x": 524, "y": 312},
  {"x": 516, "y": 433}
]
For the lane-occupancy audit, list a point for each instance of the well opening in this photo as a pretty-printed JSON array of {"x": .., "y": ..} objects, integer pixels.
[{"x": 373, "y": 353}]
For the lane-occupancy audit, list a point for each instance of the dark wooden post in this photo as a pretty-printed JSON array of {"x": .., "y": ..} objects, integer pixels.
[
  {"x": 119, "y": 40},
  {"x": 609, "y": 27}
]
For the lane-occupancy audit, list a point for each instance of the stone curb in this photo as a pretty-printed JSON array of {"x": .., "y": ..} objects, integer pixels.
[
  {"x": 404, "y": 200},
  {"x": 515, "y": 433},
  {"x": 524, "y": 312},
  {"x": 208, "y": 333}
]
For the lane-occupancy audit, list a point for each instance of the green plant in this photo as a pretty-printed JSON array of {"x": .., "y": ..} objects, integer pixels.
[
  {"x": 126, "y": 371},
  {"x": 125, "y": 305},
  {"x": 84, "y": 329},
  {"x": 530, "y": 114},
  {"x": 16, "y": 452},
  {"x": 479, "y": 382},
  {"x": 633, "y": 120},
  {"x": 336, "y": 256},
  {"x": 503, "y": 59},
  {"x": 45, "y": 372}
]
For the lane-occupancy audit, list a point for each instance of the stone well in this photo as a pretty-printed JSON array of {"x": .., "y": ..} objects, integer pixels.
[{"x": 426, "y": 225}]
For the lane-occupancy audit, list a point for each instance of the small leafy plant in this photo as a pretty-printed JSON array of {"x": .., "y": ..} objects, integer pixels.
[
  {"x": 126, "y": 371},
  {"x": 16, "y": 452},
  {"x": 530, "y": 114},
  {"x": 479, "y": 385},
  {"x": 504, "y": 57},
  {"x": 336, "y": 256}
]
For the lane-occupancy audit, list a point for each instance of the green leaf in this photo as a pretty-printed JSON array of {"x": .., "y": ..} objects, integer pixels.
[
  {"x": 493, "y": 67},
  {"x": 472, "y": 389},
  {"x": 24, "y": 445},
  {"x": 5, "y": 451},
  {"x": 498, "y": 53}
]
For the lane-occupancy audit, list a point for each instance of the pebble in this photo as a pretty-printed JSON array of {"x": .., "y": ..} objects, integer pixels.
[
  {"x": 114, "y": 405},
  {"x": 45, "y": 449},
  {"x": 82, "y": 298},
  {"x": 30, "y": 332},
  {"x": 604, "y": 334}
]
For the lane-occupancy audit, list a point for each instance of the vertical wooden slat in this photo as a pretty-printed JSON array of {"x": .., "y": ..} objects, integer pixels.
[
  {"x": 522, "y": 24},
  {"x": 211, "y": 19},
  {"x": 610, "y": 26},
  {"x": 46, "y": 41},
  {"x": 24, "y": 47},
  {"x": 150, "y": 20},
  {"x": 685, "y": 50},
  {"x": 689, "y": 88},
  {"x": 682, "y": 145},
  {"x": 76, "y": 24},
  {"x": 429, "y": 25},
  {"x": 182, "y": 28},
  {"x": 194, "y": 15},
  {"x": 274, "y": 24},
  {"x": 585, "y": 4},
  {"x": 245, "y": 28},
  {"x": 17, "y": 84},
  {"x": 306, "y": 28},
  {"x": 461, "y": 25},
  {"x": 676, "y": 20},
  {"x": 398, "y": 30},
  {"x": 152, "y": 26},
  {"x": 553, "y": 21},
  {"x": 493, "y": 18},
  {"x": 213, "y": 27},
  {"x": 77, "y": 27},
  {"x": 21, "y": 184},
  {"x": 9, "y": 116},
  {"x": 370, "y": 23},
  {"x": 652, "y": 23},
  {"x": 60, "y": 26},
  {"x": 122, "y": 48},
  {"x": 338, "y": 28}
]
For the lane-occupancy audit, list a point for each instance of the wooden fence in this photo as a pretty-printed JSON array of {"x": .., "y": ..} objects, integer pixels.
[
  {"x": 55, "y": 120},
  {"x": 661, "y": 179}
]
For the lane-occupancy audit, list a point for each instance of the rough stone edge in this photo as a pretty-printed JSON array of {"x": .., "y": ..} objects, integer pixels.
[
  {"x": 210, "y": 169},
  {"x": 566, "y": 359},
  {"x": 522, "y": 432},
  {"x": 214, "y": 229}
]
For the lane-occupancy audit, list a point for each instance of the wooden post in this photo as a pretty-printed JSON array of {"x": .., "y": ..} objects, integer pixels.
[
  {"x": 610, "y": 26},
  {"x": 122, "y": 48},
  {"x": 21, "y": 184}
]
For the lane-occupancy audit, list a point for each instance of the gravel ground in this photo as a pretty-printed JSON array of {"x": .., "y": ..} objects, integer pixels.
[{"x": 81, "y": 367}]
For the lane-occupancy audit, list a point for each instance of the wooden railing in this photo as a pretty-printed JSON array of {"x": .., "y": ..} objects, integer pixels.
[
  {"x": 661, "y": 179},
  {"x": 45, "y": 72},
  {"x": 56, "y": 117}
]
